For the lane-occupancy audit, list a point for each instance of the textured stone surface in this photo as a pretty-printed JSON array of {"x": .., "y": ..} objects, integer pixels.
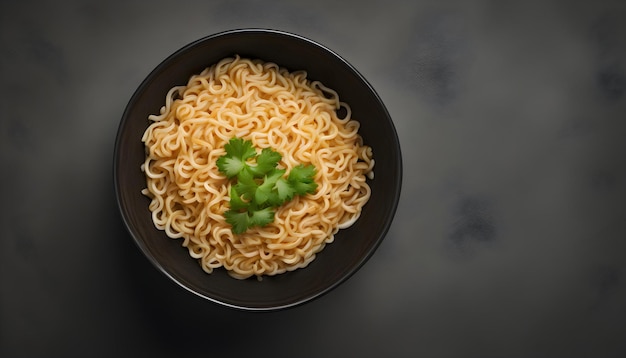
[{"x": 510, "y": 238}]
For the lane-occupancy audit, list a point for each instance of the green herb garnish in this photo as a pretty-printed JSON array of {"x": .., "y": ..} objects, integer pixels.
[{"x": 259, "y": 187}]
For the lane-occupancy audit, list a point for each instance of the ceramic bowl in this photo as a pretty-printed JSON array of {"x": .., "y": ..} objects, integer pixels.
[{"x": 339, "y": 260}]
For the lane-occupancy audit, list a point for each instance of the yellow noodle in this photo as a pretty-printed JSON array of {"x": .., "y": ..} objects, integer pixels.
[{"x": 272, "y": 107}]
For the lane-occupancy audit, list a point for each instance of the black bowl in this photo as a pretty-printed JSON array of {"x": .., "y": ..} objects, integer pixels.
[{"x": 338, "y": 261}]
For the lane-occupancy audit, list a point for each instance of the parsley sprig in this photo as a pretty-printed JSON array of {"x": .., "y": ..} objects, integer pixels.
[{"x": 259, "y": 187}]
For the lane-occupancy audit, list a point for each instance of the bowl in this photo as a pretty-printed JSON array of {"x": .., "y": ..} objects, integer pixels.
[{"x": 339, "y": 260}]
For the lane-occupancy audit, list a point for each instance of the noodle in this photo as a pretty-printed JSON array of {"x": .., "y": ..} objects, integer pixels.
[{"x": 272, "y": 107}]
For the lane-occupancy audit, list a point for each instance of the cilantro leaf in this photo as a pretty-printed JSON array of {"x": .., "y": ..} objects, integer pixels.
[
  {"x": 239, "y": 221},
  {"x": 261, "y": 217},
  {"x": 246, "y": 186},
  {"x": 301, "y": 179},
  {"x": 265, "y": 162},
  {"x": 260, "y": 187},
  {"x": 285, "y": 191},
  {"x": 236, "y": 203},
  {"x": 230, "y": 166},
  {"x": 265, "y": 191},
  {"x": 302, "y": 188},
  {"x": 237, "y": 152},
  {"x": 237, "y": 147}
]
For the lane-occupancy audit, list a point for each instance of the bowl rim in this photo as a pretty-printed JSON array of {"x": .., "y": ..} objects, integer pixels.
[{"x": 139, "y": 241}]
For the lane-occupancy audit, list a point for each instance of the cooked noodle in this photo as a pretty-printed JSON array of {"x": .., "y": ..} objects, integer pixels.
[{"x": 272, "y": 107}]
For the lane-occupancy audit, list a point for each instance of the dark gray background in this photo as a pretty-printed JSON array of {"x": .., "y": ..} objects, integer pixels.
[{"x": 510, "y": 236}]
